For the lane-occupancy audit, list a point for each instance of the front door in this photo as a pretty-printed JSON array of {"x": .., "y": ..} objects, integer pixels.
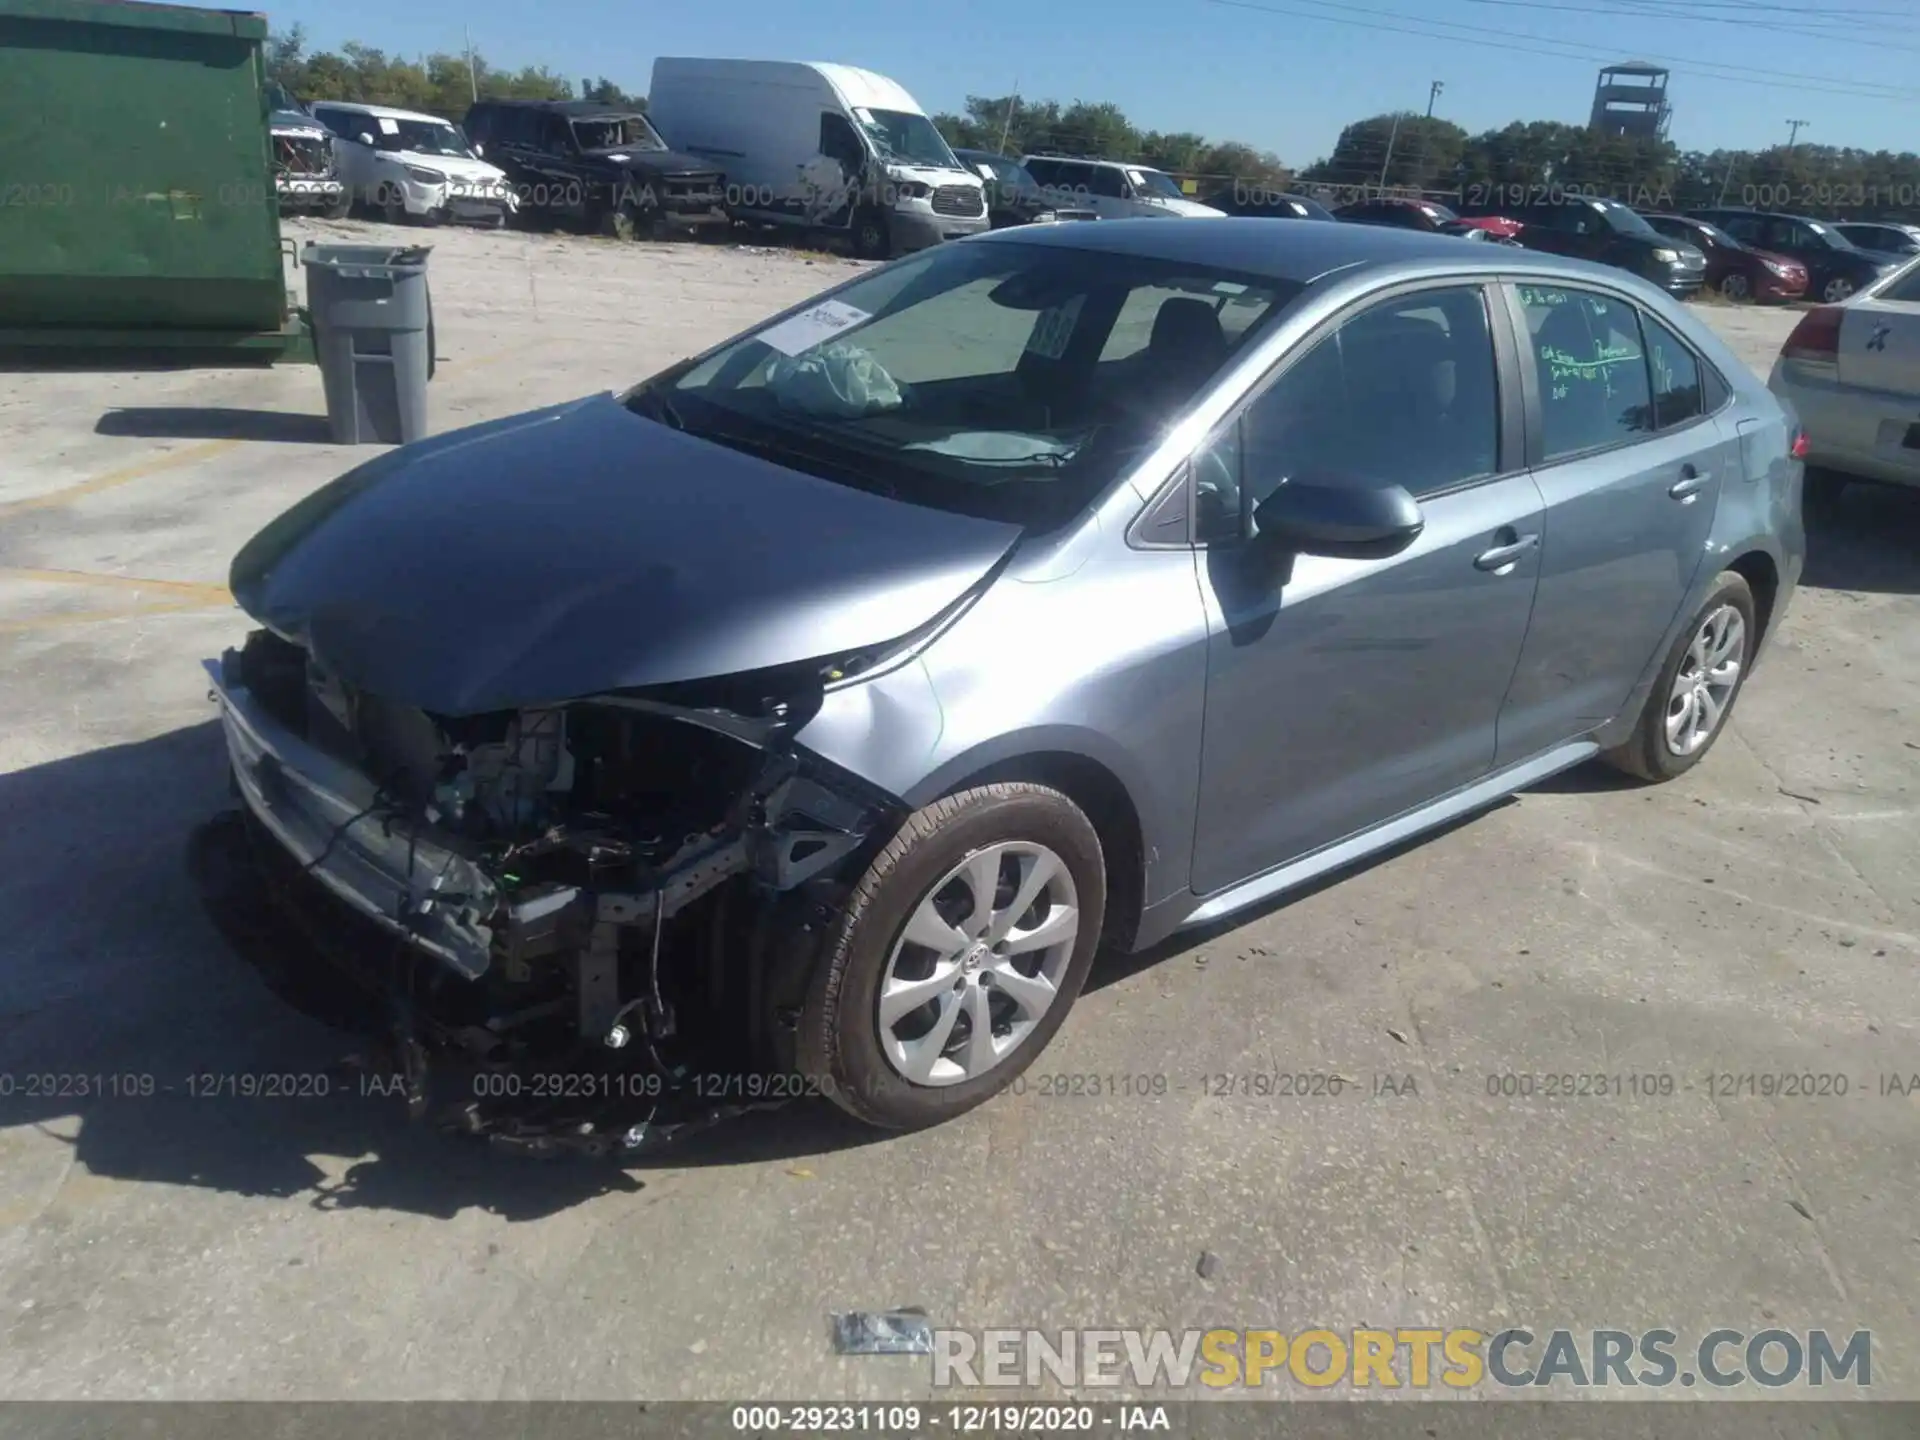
[
  {"x": 1630, "y": 466},
  {"x": 1341, "y": 693}
]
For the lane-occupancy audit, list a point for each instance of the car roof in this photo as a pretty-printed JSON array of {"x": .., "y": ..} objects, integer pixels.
[
  {"x": 381, "y": 112},
  {"x": 1289, "y": 251},
  {"x": 572, "y": 109}
]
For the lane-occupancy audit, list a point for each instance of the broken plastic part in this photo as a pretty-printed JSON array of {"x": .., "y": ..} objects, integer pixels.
[{"x": 905, "y": 1331}]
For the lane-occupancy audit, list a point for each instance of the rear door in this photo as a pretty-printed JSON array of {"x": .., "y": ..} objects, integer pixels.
[{"x": 1630, "y": 465}]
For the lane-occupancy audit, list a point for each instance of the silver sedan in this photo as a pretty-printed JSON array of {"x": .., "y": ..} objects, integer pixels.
[{"x": 1852, "y": 372}]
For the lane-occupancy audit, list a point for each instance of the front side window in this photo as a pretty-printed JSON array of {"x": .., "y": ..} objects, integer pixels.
[
  {"x": 425, "y": 137},
  {"x": 1592, "y": 369},
  {"x": 1404, "y": 393},
  {"x": 838, "y": 142},
  {"x": 617, "y": 132},
  {"x": 990, "y": 379},
  {"x": 1155, "y": 182},
  {"x": 1107, "y": 181}
]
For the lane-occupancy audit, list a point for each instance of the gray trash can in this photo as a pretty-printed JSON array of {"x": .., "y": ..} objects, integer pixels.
[{"x": 373, "y": 331}]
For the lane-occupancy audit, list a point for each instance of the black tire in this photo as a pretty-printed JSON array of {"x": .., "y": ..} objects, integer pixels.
[
  {"x": 393, "y": 205},
  {"x": 838, "y": 1042},
  {"x": 872, "y": 239},
  {"x": 342, "y": 207},
  {"x": 1647, "y": 753}
]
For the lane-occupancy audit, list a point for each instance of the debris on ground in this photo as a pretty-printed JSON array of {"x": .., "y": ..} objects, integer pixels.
[
  {"x": 1209, "y": 1265},
  {"x": 905, "y": 1331}
]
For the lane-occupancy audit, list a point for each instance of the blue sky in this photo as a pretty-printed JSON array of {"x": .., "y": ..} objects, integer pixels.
[{"x": 1280, "y": 74}]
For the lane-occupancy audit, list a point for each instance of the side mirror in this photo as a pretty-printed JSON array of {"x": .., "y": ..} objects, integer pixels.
[
  {"x": 478, "y": 148},
  {"x": 1338, "y": 518},
  {"x": 364, "y": 138}
]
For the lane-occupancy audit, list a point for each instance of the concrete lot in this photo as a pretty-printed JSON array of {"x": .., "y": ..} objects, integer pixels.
[{"x": 1762, "y": 915}]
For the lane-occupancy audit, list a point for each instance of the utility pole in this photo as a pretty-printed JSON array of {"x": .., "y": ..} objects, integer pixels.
[
  {"x": 473, "y": 77},
  {"x": 1392, "y": 135},
  {"x": 1006, "y": 125},
  {"x": 1725, "y": 185},
  {"x": 1426, "y": 133},
  {"x": 1794, "y": 127},
  {"x": 1433, "y": 93}
]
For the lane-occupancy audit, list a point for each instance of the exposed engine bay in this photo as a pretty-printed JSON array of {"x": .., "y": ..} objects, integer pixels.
[{"x": 630, "y": 885}]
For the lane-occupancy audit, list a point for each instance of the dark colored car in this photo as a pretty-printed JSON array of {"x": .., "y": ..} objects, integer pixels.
[
  {"x": 1892, "y": 237},
  {"x": 832, "y": 703},
  {"x": 1737, "y": 271},
  {"x": 1401, "y": 214},
  {"x": 1836, "y": 267},
  {"x": 1014, "y": 197},
  {"x": 1609, "y": 233},
  {"x": 603, "y": 167},
  {"x": 1253, "y": 202}
]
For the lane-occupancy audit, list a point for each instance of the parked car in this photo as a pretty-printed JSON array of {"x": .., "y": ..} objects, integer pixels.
[
  {"x": 306, "y": 176},
  {"x": 822, "y": 149},
  {"x": 1851, "y": 372},
  {"x": 1502, "y": 227},
  {"x": 1476, "y": 230},
  {"x": 927, "y": 705},
  {"x": 1113, "y": 189},
  {"x": 1014, "y": 197},
  {"x": 1400, "y": 214},
  {"x": 1609, "y": 233},
  {"x": 1836, "y": 267},
  {"x": 410, "y": 166},
  {"x": 1890, "y": 237},
  {"x": 603, "y": 168},
  {"x": 1255, "y": 202},
  {"x": 1737, "y": 271}
]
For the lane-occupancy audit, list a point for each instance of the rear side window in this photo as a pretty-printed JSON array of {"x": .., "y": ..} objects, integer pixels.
[
  {"x": 1678, "y": 395},
  {"x": 1591, "y": 367}
]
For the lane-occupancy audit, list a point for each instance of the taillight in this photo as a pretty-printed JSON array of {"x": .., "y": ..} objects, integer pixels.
[
  {"x": 1817, "y": 336},
  {"x": 1798, "y": 449}
]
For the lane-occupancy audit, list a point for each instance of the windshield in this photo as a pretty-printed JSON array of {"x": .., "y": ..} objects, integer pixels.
[
  {"x": 617, "y": 132},
  {"x": 1011, "y": 381},
  {"x": 1628, "y": 222},
  {"x": 906, "y": 137},
  {"x": 424, "y": 137},
  {"x": 1152, "y": 182}
]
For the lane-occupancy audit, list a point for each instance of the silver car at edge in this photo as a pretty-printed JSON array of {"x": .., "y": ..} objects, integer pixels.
[
  {"x": 1851, "y": 372},
  {"x": 1056, "y": 589}
]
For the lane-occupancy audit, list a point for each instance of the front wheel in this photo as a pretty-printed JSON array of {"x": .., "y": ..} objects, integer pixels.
[
  {"x": 958, "y": 956},
  {"x": 393, "y": 205},
  {"x": 1696, "y": 688},
  {"x": 1735, "y": 287},
  {"x": 872, "y": 239}
]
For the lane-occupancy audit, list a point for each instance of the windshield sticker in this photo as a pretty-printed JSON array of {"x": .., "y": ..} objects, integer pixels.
[
  {"x": 388, "y": 125},
  {"x": 1054, "y": 328},
  {"x": 1228, "y": 287},
  {"x": 798, "y": 333}
]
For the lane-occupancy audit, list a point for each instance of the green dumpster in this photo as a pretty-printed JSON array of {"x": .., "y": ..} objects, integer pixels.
[{"x": 137, "y": 203}]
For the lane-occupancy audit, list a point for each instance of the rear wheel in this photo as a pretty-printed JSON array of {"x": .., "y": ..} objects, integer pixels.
[
  {"x": 1696, "y": 688},
  {"x": 1836, "y": 290},
  {"x": 958, "y": 956}
]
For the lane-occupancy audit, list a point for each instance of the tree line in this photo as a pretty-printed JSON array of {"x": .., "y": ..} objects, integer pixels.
[{"x": 1405, "y": 153}]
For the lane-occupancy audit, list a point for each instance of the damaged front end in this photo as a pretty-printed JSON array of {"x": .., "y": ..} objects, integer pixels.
[{"x": 618, "y": 899}]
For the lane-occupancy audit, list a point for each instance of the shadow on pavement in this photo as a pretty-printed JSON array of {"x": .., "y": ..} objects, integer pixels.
[
  {"x": 128, "y": 1022},
  {"x": 1867, "y": 539},
  {"x": 197, "y": 422}
]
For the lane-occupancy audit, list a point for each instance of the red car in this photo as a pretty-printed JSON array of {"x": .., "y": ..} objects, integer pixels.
[
  {"x": 1498, "y": 225},
  {"x": 1737, "y": 271}
]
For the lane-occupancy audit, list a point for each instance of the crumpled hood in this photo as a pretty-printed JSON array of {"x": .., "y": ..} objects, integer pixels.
[
  {"x": 583, "y": 548},
  {"x": 454, "y": 167}
]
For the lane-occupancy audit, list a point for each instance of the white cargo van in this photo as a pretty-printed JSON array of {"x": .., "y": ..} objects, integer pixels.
[{"x": 820, "y": 147}]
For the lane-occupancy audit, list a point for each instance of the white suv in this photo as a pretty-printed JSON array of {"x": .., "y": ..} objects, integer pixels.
[
  {"x": 413, "y": 166},
  {"x": 1113, "y": 189}
]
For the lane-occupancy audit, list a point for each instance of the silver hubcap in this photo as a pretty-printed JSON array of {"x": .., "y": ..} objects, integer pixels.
[
  {"x": 1705, "y": 683},
  {"x": 1838, "y": 290},
  {"x": 978, "y": 963},
  {"x": 1734, "y": 287}
]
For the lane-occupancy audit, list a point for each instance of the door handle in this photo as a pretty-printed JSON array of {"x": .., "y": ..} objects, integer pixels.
[
  {"x": 1690, "y": 483},
  {"x": 1501, "y": 557}
]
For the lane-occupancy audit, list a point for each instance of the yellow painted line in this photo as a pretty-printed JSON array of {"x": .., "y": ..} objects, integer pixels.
[
  {"x": 90, "y": 617},
  {"x": 113, "y": 479},
  {"x": 202, "y": 591}
]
